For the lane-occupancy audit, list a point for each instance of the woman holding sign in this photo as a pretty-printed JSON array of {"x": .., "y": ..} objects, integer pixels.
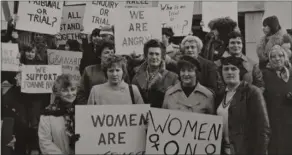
[
  {"x": 115, "y": 91},
  {"x": 189, "y": 95},
  {"x": 246, "y": 127},
  {"x": 56, "y": 128}
]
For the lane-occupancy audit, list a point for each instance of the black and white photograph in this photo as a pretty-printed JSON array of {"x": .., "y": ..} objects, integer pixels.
[{"x": 157, "y": 77}]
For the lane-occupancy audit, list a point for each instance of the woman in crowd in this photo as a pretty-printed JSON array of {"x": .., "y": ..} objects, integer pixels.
[
  {"x": 278, "y": 95},
  {"x": 217, "y": 40},
  {"x": 192, "y": 46},
  {"x": 274, "y": 35},
  {"x": 189, "y": 95},
  {"x": 94, "y": 75},
  {"x": 34, "y": 103},
  {"x": 246, "y": 127},
  {"x": 115, "y": 90},
  {"x": 56, "y": 128},
  {"x": 151, "y": 77}
]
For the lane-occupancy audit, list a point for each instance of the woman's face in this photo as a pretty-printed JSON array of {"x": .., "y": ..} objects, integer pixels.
[
  {"x": 266, "y": 30},
  {"x": 191, "y": 49},
  {"x": 230, "y": 74},
  {"x": 235, "y": 46},
  {"x": 67, "y": 47},
  {"x": 188, "y": 77},
  {"x": 277, "y": 59},
  {"x": 115, "y": 74},
  {"x": 105, "y": 53},
  {"x": 68, "y": 94},
  {"x": 30, "y": 55},
  {"x": 154, "y": 56}
]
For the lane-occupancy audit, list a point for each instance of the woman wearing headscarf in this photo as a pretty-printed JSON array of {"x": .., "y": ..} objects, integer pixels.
[
  {"x": 94, "y": 75},
  {"x": 56, "y": 128},
  {"x": 246, "y": 127},
  {"x": 115, "y": 91},
  {"x": 189, "y": 95},
  {"x": 278, "y": 95},
  {"x": 274, "y": 35}
]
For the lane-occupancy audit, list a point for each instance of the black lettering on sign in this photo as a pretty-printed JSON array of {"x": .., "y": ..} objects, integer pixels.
[
  {"x": 210, "y": 149},
  {"x": 133, "y": 41},
  {"x": 99, "y": 20},
  {"x": 34, "y": 84},
  {"x": 154, "y": 138},
  {"x": 108, "y": 4},
  {"x": 42, "y": 19},
  {"x": 170, "y": 125},
  {"x": 40, "y": 69},
  {"x": 103, "y": 12},
  {"x": 73, "y": 15},
  {"x": 137, "y": 14},
  {"x": 189, "y": 149},
  {"x": 138, "y": 27},
  {"x": 165, "y": 7},
  {"x": 201, "y": 132},
  {"x": 111, "y": 138},
  {"x": 171, "y": 146},
  {"x": 194, "y": 127},
  {"x": 49, "y": 84},
  {"x": 49, "y": 4},
  {"x": 159, "y": 126},
  {"x": 215, "y": 131}
]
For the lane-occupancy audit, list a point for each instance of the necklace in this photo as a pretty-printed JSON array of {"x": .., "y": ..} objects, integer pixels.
[{"x": 224, "y": 104}]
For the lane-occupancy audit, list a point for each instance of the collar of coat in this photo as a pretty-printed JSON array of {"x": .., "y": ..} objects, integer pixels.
[
  {"x": 142, "y": 78},
  {"x": 199, "y": 88},
  {"x": 275, "y": 39}
]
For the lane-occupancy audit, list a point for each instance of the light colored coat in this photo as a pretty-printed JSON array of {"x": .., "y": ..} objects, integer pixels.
[
  {"x": 104, "y": 94},
  {"x": 52, "y": 135},
  {"x": 201, "y": 100}
]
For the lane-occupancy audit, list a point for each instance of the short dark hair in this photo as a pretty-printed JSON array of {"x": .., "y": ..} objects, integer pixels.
[
  {"x": 106, "y": 44},
  {"x": 190, "y": 63},
  {"x": 236, "y": 61},
  {"x": 62, "y": 81},
  {"x": 273, "y": 23},
  {"x": 167, "y": 31},
  {"x": 73, "y": 44},
  {"x": 154, "y": 43},
  {"x": 116, "y": 59},
  {"x": 234, "y": 34},
  {"x": 95, "y": 32}
]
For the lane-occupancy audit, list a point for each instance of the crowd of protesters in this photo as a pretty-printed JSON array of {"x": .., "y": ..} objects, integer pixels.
[{"x": 215, "y": 78}]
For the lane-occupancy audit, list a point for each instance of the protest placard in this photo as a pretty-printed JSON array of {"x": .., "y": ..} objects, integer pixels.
[
  {"x": 40, "y": 16},
  {"x": 98, "y": 14},
  {"x": 134, "y": 27},
  {"x": 140, "y": 3},
  {"x": 10, "y": 57},
  {"x": 39, "y": 78},
  {"x": 71, "y": 24},
  {"x": 178, "y": 16},
  {"x": 177, "y": 132},
  {"x": 212, "y": 10},
  {"x": 111, "y": 129},
  {"x": 69, "y": 60}
]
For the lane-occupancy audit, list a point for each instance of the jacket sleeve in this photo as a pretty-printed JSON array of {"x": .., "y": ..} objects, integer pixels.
[
  {"x": 260, "y": 123},
  {"x": 83, "y": 59},
  {"x": 46, "y": 143},
  {"x": 261, "y": 50},
  {"x": 83, "y": 90},
  {"x": 165, "y": 101},
  {"x": 92, "y": 97},
  {"x": 137, "y": 96},
  {"x": 211, "y": 105},
  {"x": 258, "y": 77},
  {"x": 212, "y": 69}
]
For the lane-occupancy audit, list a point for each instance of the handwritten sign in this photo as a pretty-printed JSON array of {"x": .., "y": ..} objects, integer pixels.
[
  {"x": 40, "y": 16},
  {"x": 71, "y": 23},
  {"x": 111, "y": 129},
  {"x": 98, "y": 14},
  {"x": 178, "y": 16},
  {"x": 176, "y": 132},
  {"x": 10, "y": 57},
  {"x": 212, "y": 10},
  {"x": 134, "y": 27},
  {"x": 39, "y": 78},
  {"x": 69, "y": 60},
  {"x": 140, "y": 3}
]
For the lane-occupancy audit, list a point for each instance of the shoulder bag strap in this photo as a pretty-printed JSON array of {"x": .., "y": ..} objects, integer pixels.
[{"x": 131, "y": 93}]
